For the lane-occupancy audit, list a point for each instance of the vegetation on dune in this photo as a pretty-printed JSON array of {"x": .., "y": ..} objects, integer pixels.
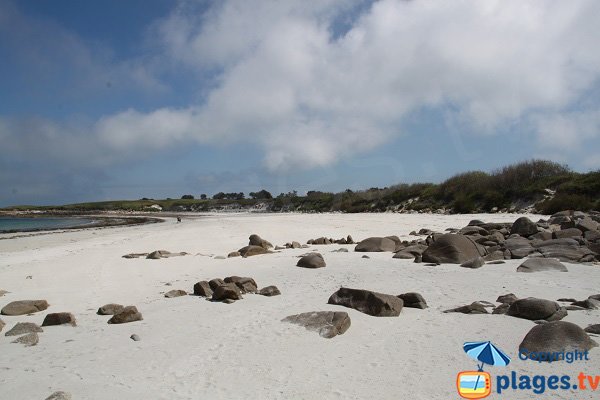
[{"x": 550, "y": 186}]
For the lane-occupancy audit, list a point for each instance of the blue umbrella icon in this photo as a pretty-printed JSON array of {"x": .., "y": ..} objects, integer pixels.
[{"x": 487, "y": 353}]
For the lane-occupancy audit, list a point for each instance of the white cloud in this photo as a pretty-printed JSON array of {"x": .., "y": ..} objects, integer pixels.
[{"x": 310, "y": 98}]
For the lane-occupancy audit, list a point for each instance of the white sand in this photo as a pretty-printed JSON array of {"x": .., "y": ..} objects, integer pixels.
[{"x": 194, "y": 349}]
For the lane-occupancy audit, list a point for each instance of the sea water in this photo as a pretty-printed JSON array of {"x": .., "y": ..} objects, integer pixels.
[{"x": 12, "y": 224}]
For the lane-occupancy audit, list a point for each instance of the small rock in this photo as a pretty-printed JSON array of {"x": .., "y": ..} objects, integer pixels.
[
  {"x": 220, "y": 257},
  {"x": 61, "y": 318},
  {"x": 249, "y": 251},
  {"x": 496, "y": 262},
  {"x": 413, "y": 300},
  {"x": 135, "y": 338},
  {"x": 473, "y": 263},
  {"x": 60, "y": 396},
  {"x": 203, "y": 289},
  {"x": 227, "y": 291},
  {"x": 110, "y": 309},
  {"x": 215, "y": 283},
  {"x": 234, "y": 254},
  {"x": 175, "y": 293},
  {"x": 473, "y": 308},
  {"x": 245, "y": 284},
  {"x": 595, "y": 329},
  {"x": 507, "y": 298},
  {"x": 342, "y": 250},
  {"x": 365, "y": 256},
  {"x": 3, "y": 292},
  {"x": 269, "y": 291},
  {"x": 534, "y": 309},
  {"x": 128, "y": 314},
  {"x": 313, "y": 260},
  {"x": 2, "y": 325},
  {"x": 368, "y": 302},
  {"x": 538, "y": 264},
  {"x": 567, "y": 300},
  {"x": 328, "y": 323},
  {"x": 22, "y": 328},
  {"x": 588, "y": 304},
  {"x": 31, "y": 339}
]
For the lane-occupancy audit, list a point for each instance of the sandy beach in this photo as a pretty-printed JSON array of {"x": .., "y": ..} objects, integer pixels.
[{"x": 191, "y": 348}]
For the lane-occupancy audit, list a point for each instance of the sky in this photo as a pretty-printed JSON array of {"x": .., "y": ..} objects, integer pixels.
[{"x": 124, "y": 99}]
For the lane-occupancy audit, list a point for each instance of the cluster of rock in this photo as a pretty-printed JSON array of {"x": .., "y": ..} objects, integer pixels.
[
  {"x": 324, "y": 240},
  {"x": 28, "y": 331},
  {"x": 256, "y": 246},
  {"x": 230, "y": 289},
  {"x": 155, "y": 255},
  {"x": 120, "y": 314},
  {"x": 376, "y": 304},
  {"x": 570, "y": 236}
]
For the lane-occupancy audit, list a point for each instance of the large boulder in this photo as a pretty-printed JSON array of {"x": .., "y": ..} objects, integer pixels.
[
  {"x": 518, "y": 246},
  {"x": 567, "y": 233},
  {"x": 327, "y": 323},
  {"x": 128, "y": 314},
  {"x": 245, "y": 284},
  {"x": 453, "y": 249},
  {"x": 312, "y": 260},
  {"x": 22, "y": 328},
  {"x": 548, "y": 342},
  {"x": 536, "y": 309},
  {"x": 23, "y": 307},
  {"x": 376, "y": 244},
  {"x": 215, "y": 283},
  {"x": 62, "y": 318},
  {"x": 251, "y": 250},
  {"x": 565, "y": 249},
  {"x": 255, "y": 240},
  {"x": 524, "y": 227},
  {"x": 538, "y": 264},
  {"x": 368, "y": 302}
]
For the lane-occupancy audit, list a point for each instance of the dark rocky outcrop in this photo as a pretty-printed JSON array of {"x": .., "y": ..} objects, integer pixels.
[
  {"x": 413, "y": 300},
  {"x": 368, "y": 302},
  {"x": 453, "y": 249},
  {"x": 541, "y": 264},
  {"x": 62, "y": 318},
  {"x": 110, "y": 309},
  {"x": 555, "y": 338},
  {"x": 128, "y": 314},
  {"x": 536, "y": 309},
  {"x": 312, "y": 260},
  {"x": 327, "y": 323},
  {"x": 376, "y": 244},
  {"x": 23, "y": 307}
]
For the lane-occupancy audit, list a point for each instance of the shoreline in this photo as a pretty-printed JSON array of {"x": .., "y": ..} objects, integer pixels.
[{"x": 98, "y": 222}]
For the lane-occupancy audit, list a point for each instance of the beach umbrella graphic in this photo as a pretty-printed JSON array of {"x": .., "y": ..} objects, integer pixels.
[{"x": 486, "y": 353}]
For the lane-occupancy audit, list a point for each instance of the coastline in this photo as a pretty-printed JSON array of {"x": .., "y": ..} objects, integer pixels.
[{"x": 193, "y": 348}]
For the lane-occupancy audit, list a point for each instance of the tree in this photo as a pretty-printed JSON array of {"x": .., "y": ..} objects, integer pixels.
[
  {"x": 262, "y": 195},
  {"x": 203, "y": 196},
  {"x": 187, "y": 197}
]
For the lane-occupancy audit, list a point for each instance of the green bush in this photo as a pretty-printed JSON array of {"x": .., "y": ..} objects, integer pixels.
[{"x": 565, "y": 201}]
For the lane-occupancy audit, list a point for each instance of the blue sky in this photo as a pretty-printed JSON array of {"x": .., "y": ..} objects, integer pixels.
[{"x": 160, "y": 98}]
